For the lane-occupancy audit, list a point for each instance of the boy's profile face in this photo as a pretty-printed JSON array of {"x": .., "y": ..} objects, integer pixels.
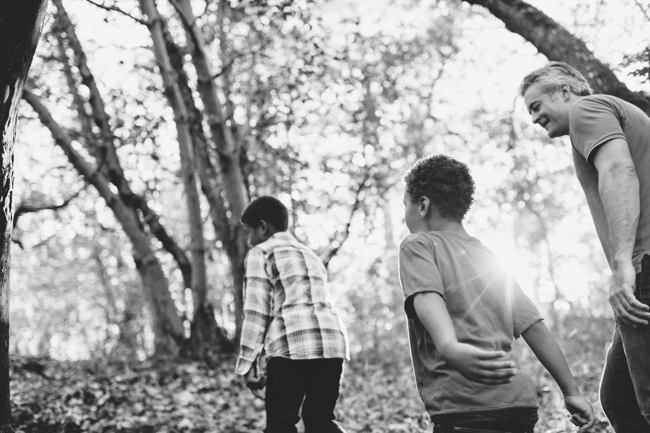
[
  {"x": 255, "y": 236},
  {"x": 549, "y": 110},
  {"x": 411, "y": 213}
]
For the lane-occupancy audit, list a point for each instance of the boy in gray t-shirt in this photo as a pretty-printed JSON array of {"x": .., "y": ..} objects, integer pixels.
[{"x": 464, "y": 312}]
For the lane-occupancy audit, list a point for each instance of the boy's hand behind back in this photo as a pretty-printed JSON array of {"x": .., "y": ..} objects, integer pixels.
[
  {"x": 255, "y": 378},
  {"x": 489, "y": 368},
  {"x": 582, "y": 414}
]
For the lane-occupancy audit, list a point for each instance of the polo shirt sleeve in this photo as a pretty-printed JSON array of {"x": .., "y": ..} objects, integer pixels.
[
  {"x": 593, "y": 122},
  {"x": 418, "y": 272},
  {"x": 524, "y": 313}
]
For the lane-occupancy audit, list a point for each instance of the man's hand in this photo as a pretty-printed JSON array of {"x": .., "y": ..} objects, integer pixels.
[
  {"x": 582, "y": 414},
  {"x": 489, "y": 368},
  {"x": 255, "y": 378},
  {"x": 627, "y": 309}
]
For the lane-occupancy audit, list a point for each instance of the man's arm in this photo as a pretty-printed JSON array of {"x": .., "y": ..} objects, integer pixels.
[
  {"x": 618, "y": 186},
  {"x": 473, "y": 363},
  {"x": 550, "y": 355}
]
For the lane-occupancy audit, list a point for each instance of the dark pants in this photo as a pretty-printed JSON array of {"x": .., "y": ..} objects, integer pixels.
[
  {"x": 625, "y": 386},
  {"x": 289, "y": 382},
  {"x": 514, "y": 420}
]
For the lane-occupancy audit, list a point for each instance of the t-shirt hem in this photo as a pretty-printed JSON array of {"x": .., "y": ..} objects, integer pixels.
[
  {"x": 409, "y": 309},
  {"x": 482, "y": 409},
  {"x": 602, "y": 140},
  {"x": 528, "y": 325},
  {"x": 308, "y": 357}
]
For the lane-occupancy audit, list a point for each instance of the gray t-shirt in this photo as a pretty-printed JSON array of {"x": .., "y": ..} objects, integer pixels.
[
  {"x": 487, "y": 308},
  {"x": 595, "y": 120}
]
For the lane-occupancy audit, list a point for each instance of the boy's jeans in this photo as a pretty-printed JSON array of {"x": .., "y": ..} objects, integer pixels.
[
  {"x": 625, "y": 386},
  {"x": 289, "y": 382},
  {"x": 513, "y": 420}
]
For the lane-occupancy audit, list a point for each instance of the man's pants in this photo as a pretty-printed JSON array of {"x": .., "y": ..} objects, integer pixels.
[
  {"x": 514, "y": 420},
  {"x": 625, "y": 386},
  {"x": 289, "y": 382}
]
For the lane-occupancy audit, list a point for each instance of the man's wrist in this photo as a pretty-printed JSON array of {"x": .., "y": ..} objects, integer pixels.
[{"x": 620, "y": 262}]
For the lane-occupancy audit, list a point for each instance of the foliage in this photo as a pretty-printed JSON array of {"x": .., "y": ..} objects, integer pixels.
[{"x": 377, "y": 396}]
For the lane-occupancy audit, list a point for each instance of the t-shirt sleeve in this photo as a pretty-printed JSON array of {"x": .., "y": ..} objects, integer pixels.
[
  {"x": 524, "y": 313},
  {"x": 417, "y": 271},
  {"x": 593, "y": 122}
]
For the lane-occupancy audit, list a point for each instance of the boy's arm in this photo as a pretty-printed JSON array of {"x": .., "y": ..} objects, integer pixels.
[
  {"x": 550, "y": 355},
  {"x": 473, "y": 363},
  {"x": 257, "y": 311}
]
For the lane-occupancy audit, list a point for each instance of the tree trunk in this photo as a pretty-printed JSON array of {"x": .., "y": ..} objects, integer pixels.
[
  {"x": 558, "y": 44},
  {"x": 21, "y": 22},
  {"x": 184, "y": 137},
  {"x": 206, "y": 337},
  {"x": 167, "y": 327},
  {"x": 204, "y": 326},
  {"x": 227, "y": 150}
]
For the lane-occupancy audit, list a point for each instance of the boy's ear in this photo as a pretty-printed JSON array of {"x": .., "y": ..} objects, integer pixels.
[
  {"x": 423, "y": 206},
  {"x": 264, "y": 226}
]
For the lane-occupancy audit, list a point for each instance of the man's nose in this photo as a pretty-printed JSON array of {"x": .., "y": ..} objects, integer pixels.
[{"x": 535, "y": 117}]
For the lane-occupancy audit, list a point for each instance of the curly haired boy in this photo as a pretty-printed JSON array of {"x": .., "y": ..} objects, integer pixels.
[{"x": 464, "y": 313}]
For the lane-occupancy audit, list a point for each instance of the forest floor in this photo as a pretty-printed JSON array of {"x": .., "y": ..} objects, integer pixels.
[{"x": 163, "y": 396}]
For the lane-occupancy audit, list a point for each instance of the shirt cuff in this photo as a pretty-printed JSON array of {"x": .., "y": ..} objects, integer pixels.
[{"x": 243, "y": 366}]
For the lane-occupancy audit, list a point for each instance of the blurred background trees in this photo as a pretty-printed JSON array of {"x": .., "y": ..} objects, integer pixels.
[{"x": 148, "y": 126}]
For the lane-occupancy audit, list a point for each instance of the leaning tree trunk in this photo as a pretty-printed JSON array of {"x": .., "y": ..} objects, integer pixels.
[
  {"x": 21, "y": 22},
  {"x": 558, "y": 44},
  {"x": 167, "y": 326}
]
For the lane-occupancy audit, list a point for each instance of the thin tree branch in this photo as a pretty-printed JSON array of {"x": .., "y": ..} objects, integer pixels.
[
  {"x": 25, "y": 208},
  {"x": 116, "y": 9},
  {"x": 346, "y": 233}
]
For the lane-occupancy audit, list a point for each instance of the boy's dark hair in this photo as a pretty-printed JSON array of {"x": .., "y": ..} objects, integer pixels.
[
  {"x": 269, "y": 209},
  {"x": 445, "y": 181}
]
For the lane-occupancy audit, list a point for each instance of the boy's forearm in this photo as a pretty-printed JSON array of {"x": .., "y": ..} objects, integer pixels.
[{"x": 548, "y": 352}]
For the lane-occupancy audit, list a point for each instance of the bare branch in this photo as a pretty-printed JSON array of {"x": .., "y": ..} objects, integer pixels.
[
  {"x": 223, "y": 70},
  {"x": 643, "y": 9},
  {"x": 116, "y": 9},
  {"x": 25, "y": 208},
  {"x": 190, "y": 25},
  {"x": 346, "y": 232}
]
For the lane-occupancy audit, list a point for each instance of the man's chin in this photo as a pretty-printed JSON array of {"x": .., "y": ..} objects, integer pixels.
[{"x": 554, "y": 133}]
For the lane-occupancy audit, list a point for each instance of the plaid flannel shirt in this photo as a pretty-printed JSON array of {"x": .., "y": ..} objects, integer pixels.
[{"x": 287, "y": 310}]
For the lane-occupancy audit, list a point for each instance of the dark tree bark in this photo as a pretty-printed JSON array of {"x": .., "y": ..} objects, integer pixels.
[
  {"x": 558, "y": 44},
  {"x": 21, "y": 22}
]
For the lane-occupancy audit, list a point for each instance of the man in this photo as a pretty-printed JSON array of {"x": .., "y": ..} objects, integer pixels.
[{"x": 611, "y": 153}]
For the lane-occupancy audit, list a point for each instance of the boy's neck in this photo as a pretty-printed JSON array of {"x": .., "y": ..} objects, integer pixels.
[{"x": 444, "y": 225}]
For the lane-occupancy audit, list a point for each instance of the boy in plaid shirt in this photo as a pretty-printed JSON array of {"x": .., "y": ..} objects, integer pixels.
[{"x": 287, "y": 313}]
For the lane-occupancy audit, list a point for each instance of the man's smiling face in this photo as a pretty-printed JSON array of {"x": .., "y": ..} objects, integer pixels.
[{"x": 549, "y": 110}]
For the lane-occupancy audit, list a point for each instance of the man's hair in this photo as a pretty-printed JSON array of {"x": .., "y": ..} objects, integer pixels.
[
  {"x": 445, "y": 181},
  {"x": 555, "y": 74},
  {"x": 269, "y": 209}
]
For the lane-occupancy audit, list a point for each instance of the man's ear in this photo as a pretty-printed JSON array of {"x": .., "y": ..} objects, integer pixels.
[
  {"x": 423, "y": 206},
  {"x": 565, "y": 91}
]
